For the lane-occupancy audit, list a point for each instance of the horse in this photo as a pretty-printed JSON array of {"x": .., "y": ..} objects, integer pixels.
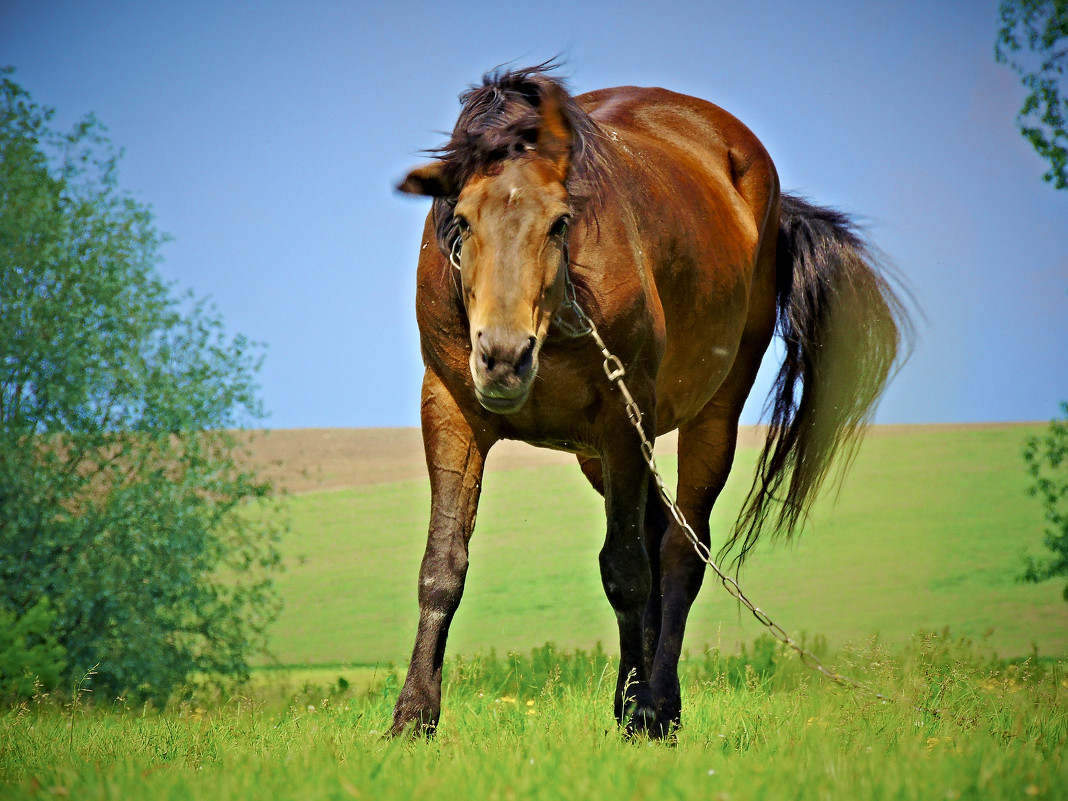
[{"x": 657, "y": 217}]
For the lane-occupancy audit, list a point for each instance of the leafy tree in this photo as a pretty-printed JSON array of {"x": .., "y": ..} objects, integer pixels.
[
  {"x": 29, "y": 653},
  {"x": 1047, "y": 462},
  {"x": 123, "y": 493},
  {"x": 1042, "y": 27}
]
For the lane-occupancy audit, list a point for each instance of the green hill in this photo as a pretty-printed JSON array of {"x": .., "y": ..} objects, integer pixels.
[{"x": 927, "y": 532}]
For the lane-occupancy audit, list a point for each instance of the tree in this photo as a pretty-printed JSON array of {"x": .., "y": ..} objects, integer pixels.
[
  {"x": 1047, "y": 462},
  {"x": 29, "y": 654},
  {"x": 1041, "y": 25},
  {"x": 123, "y": 499}
]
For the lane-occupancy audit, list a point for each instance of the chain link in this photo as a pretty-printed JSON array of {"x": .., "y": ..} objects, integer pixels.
[{"x": 613, "y": 368}]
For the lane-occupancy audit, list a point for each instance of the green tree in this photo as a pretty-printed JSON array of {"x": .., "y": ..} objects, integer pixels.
[
  {"x": 30, "y": 656},
  {"x": 1033, "y": 40},
  {"x": 1047, "y": 462},
  {"x": 124, "y": 499}
]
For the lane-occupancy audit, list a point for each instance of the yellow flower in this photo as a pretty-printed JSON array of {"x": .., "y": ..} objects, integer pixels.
[{"x": 935, "y": 742}]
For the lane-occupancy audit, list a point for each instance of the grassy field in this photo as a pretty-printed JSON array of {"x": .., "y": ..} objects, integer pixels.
[
  {"x": 928, "y": 532},
  {"x": 905, "y": 583},
  {"x": 539, "y": 726}
]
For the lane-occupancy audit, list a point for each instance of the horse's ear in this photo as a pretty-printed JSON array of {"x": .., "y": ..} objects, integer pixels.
[
  {"x": 429, "y": 180},
  {"x": 554, "y": 133}
]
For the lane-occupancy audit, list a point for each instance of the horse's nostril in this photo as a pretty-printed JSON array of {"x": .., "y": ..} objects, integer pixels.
[
  {"x": 488, "y": 361},
  {"x": 526, "y": 358}
]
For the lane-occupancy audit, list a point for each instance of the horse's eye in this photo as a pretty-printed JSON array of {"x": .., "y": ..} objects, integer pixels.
[
  {"x": 560, "y": 226},
  {"x": 462, "y": 224}
]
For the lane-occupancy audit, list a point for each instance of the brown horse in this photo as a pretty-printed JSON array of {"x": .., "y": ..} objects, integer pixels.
[{"x": 661, "y": 215}]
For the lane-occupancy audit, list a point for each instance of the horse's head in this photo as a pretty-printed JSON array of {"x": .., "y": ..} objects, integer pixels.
[{"x": 507, "y": 212}]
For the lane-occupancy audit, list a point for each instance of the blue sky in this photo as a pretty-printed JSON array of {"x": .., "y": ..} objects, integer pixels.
[{"x": 267, "y": 137}]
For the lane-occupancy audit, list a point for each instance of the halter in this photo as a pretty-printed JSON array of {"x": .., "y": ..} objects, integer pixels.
[{"x": 569, "y": 319}]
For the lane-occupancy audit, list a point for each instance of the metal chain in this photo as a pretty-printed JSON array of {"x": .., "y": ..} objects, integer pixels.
[{"x": 614, "y": 370}]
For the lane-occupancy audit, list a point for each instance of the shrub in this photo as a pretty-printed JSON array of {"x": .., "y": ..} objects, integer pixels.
[{"x": 30, "y": 656}]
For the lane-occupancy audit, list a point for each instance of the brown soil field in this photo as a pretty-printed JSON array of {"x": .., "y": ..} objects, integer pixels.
[{"x": 310, "y": 459}]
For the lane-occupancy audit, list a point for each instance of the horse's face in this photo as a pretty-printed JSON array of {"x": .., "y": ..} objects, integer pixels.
[
  {"x": 512, "y": 214},
  {"x": 514, "y": 227}
]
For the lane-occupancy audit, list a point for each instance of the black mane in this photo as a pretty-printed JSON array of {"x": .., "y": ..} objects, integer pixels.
[{"x": 499, "y": 120}]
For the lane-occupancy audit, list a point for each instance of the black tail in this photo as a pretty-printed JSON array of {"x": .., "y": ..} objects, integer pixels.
[{"x": 844, "y": 328}]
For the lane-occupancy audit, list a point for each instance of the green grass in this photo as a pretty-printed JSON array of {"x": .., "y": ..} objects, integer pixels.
[
  {"x": 927, "y": 532},
  {"x": 539, "y": 726}
]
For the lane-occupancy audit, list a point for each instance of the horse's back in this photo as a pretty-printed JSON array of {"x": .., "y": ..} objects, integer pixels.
[{"x": 680, "y": 122}]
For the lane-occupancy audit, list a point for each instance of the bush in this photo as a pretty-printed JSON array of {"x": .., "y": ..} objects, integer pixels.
[
  {"x": 122, "y": 492},
  {"x": 30, "y": 657},
  {"x": 1047, "y": 462}
]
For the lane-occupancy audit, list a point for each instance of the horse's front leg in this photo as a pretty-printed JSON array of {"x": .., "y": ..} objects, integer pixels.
[
  {"x": 455, "y": 460},
  {"x": 625, "y": 572}
]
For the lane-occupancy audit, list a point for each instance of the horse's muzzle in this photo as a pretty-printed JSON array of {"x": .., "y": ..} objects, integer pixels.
[{"x": 503, "y": 368}]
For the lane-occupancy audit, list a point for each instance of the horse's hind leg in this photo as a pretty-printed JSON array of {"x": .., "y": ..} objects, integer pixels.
[{"x": 706, "y": 449}]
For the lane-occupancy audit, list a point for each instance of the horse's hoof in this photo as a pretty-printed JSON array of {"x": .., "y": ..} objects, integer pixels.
[
  {"x": 414, "y": 720},
  {"x": 641, "y": 724},
  {"x": 412, "y": 730},
  {"x": 666, "y": 732},
  {"x": 644, "y": 724}
]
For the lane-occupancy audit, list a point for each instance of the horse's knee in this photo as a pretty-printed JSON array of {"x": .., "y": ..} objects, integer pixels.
[
  {"x": 626, "y": 578},
  {"x": 442, "y": 577}
]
